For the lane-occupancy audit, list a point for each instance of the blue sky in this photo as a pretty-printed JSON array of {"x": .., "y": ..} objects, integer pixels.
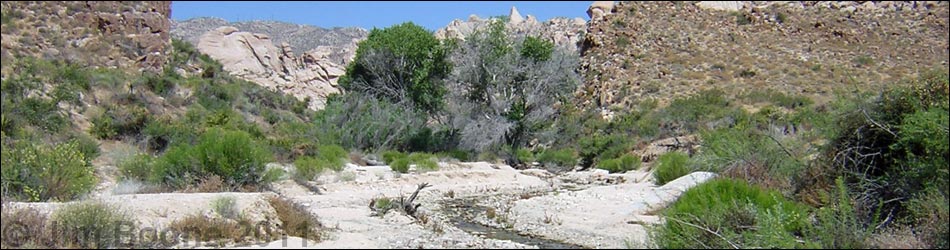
[{"x": 432, "y": 15}]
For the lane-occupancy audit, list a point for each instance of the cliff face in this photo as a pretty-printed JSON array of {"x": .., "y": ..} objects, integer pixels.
[
  {"x": 638, "y": 50},
  {"x": 112, "y": 34}
]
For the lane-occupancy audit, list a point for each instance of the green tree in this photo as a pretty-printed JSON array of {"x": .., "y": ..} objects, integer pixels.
[{"x": 402, "y": 63}]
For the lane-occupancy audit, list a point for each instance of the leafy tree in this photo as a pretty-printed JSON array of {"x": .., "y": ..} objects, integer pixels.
[{"x": 402, "y": 63}]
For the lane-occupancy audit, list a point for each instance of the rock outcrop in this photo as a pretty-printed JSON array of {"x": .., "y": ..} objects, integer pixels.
[
  {"x": 664, "y": 50},
  {"x": 339, "y": 43},
  {"x": 112, "y": 34},
  {"x": 599, "y": 9},
  {"x": 254, "y": 57},
  {"x": 561, "y": 31}
]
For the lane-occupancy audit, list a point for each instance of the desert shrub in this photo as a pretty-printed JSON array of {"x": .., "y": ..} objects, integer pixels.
[
  {"x": 457, "y": 154},
  {"x": 708, "y": 107},
  {"x": 86, "y": 144},
  {"x": 670, "y": 166},
  {"x": 391, "y": 155},
  {"x": 177, "y": 168},
  {"x": 752, "y": 155},
  {"x": 40, "y": 172},
  {"x": 400, "y": 165},
  {"x": 561, "y": 157},
  {"x": 424, "y": 161},
  {"x": 308, "y": 168},
  {"x": 930, "y": 212},
  {"x": 136, "y": 167},
  {"x": 296, "y": 220},
  {"x": 400, "y": 63},
  {"x": 621, "y": 164},
  {"x": 226, "y": 207},
  {"x": 729, "y": 213},
  {"x": 838, "y": 225},
  {"x": 93, "y": 224},
  {"x": 362, "y": 122},
  {"x": 893, "y": 146},
  {"x": 524, "y": 155},
  {"x": 204, "y": 229},
  {"x": 233, "y": 155},
  {"x": 119, "y": 120},
  {"x": 333, "y": 154},
  {"x": 24, "y": 228}
]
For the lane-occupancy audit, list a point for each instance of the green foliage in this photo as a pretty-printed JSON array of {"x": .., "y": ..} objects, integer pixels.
[
  {"x": 406, "y": 52},
  {"x": 136, "y": 167},
  {"x": 670, "y": 166},
  {"x": 119, "y": 120},
  {"x": 561, "y": 157},
  {"x": 362, "y": 122},
  {"x": 307, "y": 168},
  {"x": 40, "y": 172},
  {"x": 838, "y": 225},
  {"x": 88, "y": 146},
  {"x": 524, "y": 155},
  {"x": 930, "y": 212},
  {"x": 537, "y": 48},
  {"x": 621, "y": 164},
  {"x": 92, "y": 224},
  {"x": 400, "y": 162},
  {"x": 400, "y": 165},
  {"x": 424, "y": 161},
  {"x": 392, "y": 155},
  {"x": 225, "y": 206},
  {"x": 741, "y": 215},
  {"x": 232, "y": 155}
]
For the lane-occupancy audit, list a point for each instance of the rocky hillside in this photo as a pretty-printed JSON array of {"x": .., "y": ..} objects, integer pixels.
[
  {"x": 254, "y": 57},
  {"x": 114, "y": 34},
  {"x": 339, "y": 42},
  {"x": 638, "y": 50},
  {"x": 561, "y": 31}
]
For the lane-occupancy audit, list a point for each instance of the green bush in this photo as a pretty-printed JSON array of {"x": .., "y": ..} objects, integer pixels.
[
  {"x": 728, "y": 213},
  {"x": 87, "y": 145},
  {"x": 621, "y": 164},
  {"x": 424, "y": 162},
  {"x": 136, "y": 167},
  {"x": 93, "y": 224},
  {"x": 561, "y": 157},
  {"x": 307, "y": 168},
  {"x": 391, "y": 155},
  {"x": 670, "y": 166},
  {"x": 400, "y": 165},
  {"x": 226, "y": 206},
  {"x": 524, "y": 155},
  {"x": 232, "y": 155},
  {"x": 838, "y": 225},
  {"x": 40, "y": 172},
  {"x": 457, "y": 154},
  {"x": 119, "y": 120},
  {"x": 333, "y": 154}
]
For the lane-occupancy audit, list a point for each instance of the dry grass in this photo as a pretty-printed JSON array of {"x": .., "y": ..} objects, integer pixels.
[
  {"x": 24, "y": 228},
  {"x": 296, "y": 220},
  {"x": 217, "y": 231}
]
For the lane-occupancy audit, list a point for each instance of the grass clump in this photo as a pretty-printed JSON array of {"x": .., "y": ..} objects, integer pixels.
[
  {"x": 561, "y": 157},
  {"x": 226, "y": 207},
  {"x": 296, "y": 221},
  {"x": 93, "y": 225},
  {"x": 729, "y": 213},
  {"x": 621, "y": 164},
  {"x": 670, "y": 166}
]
